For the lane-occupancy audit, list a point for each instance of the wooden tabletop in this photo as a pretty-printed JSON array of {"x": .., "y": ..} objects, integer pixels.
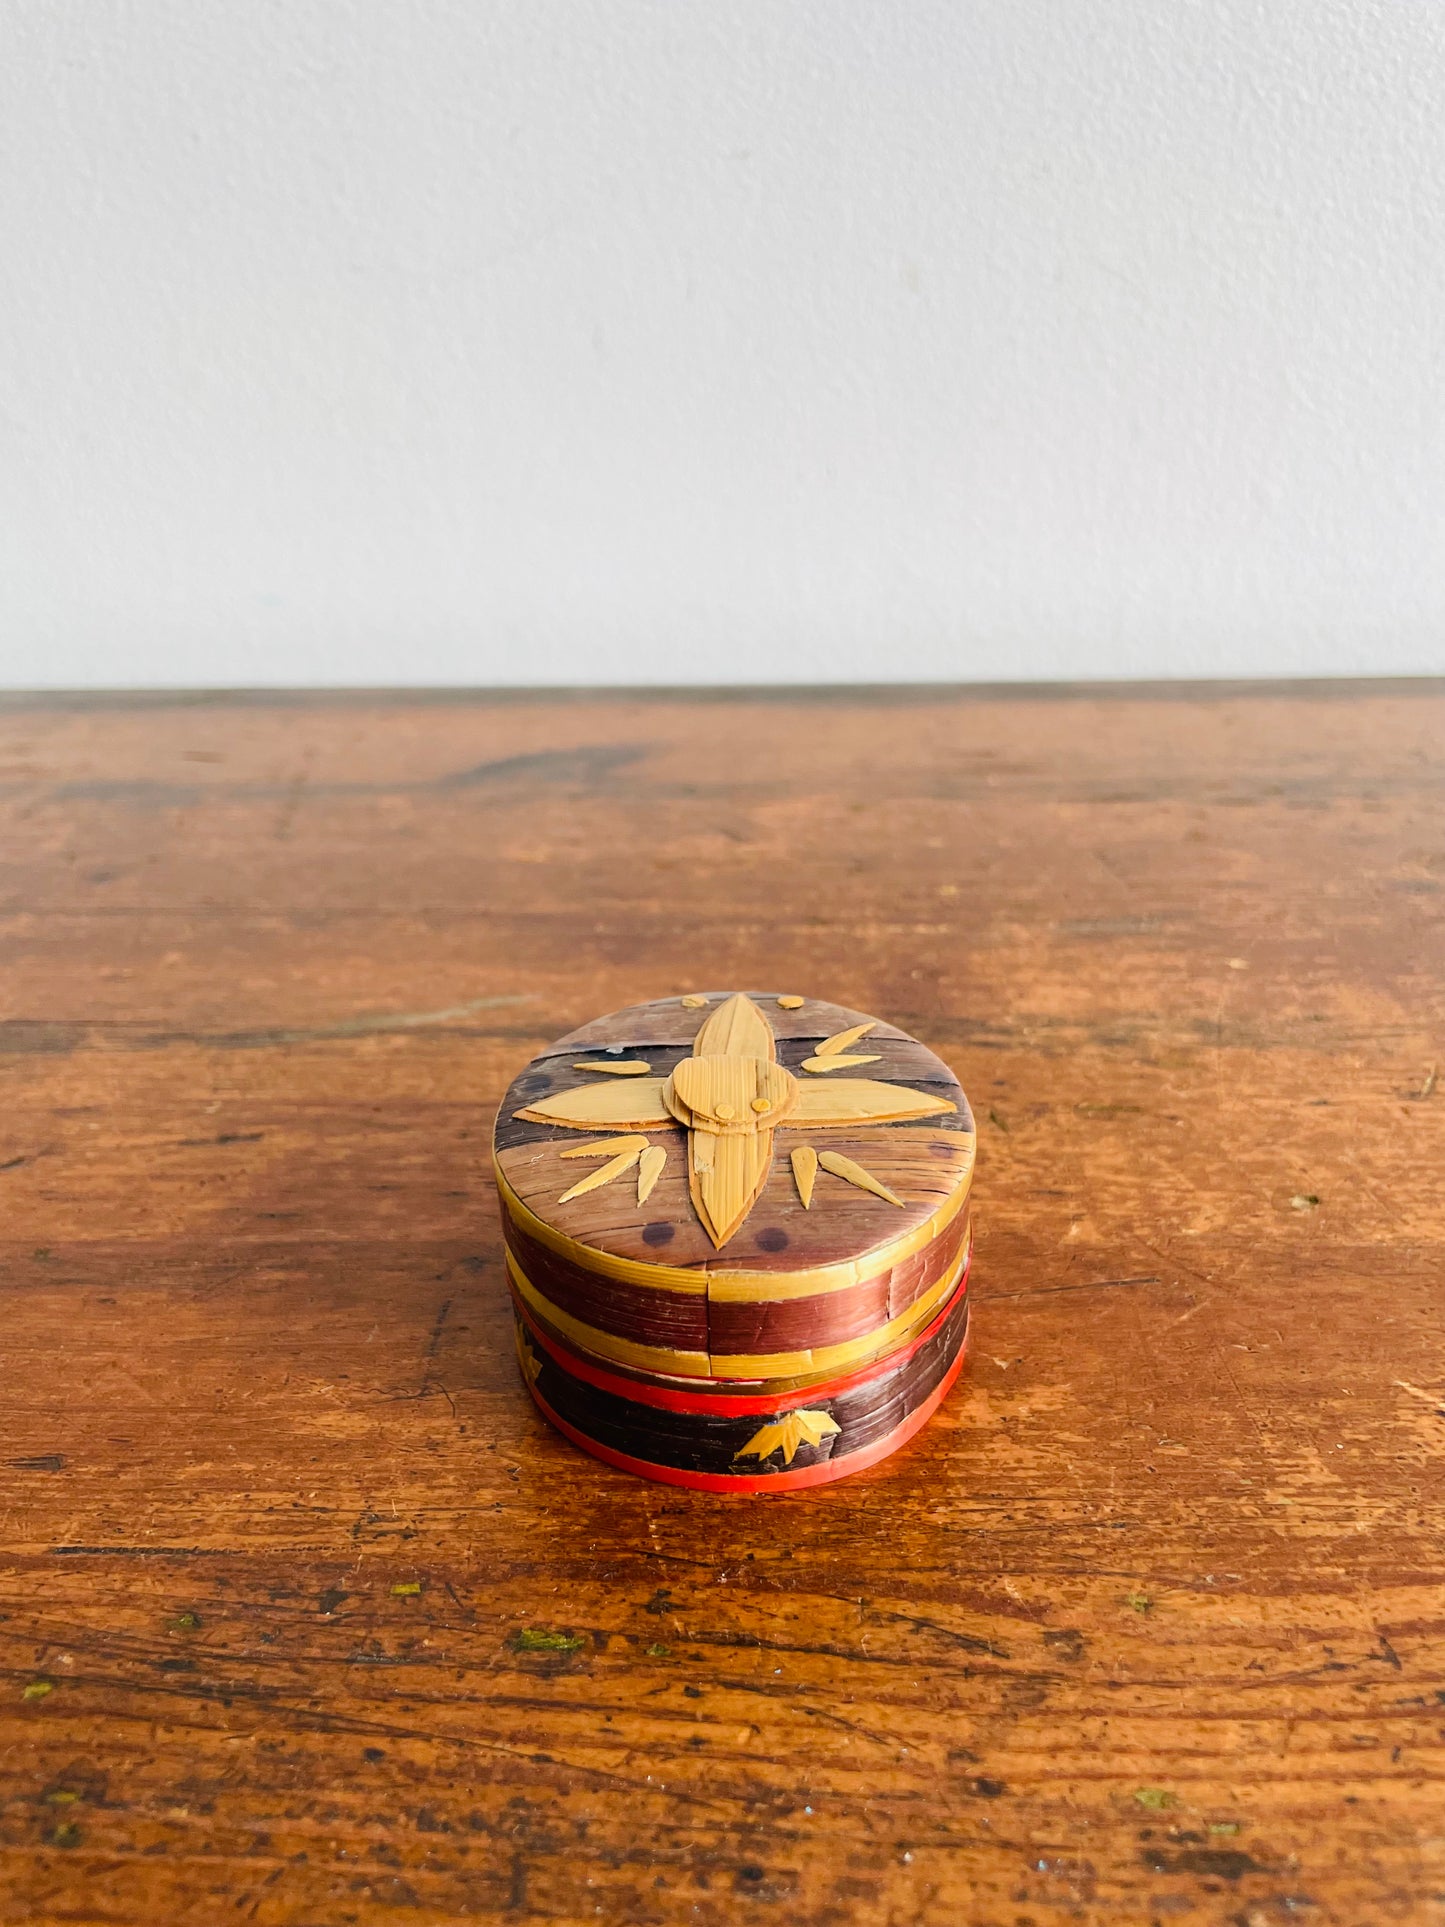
[{"x": 307, "y": 1616}]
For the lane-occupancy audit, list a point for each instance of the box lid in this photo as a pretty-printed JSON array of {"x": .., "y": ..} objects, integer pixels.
[{"x": 733, "y": 1183}]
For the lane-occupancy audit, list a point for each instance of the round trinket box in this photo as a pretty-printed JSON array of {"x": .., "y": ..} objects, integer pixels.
[{"x": 737, "y": 1237}]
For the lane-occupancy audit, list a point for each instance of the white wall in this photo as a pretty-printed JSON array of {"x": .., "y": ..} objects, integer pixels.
[{"x": 374, "y": 341}]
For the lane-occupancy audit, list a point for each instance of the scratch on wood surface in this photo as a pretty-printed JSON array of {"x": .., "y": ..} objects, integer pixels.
[
  {"x": 1044, "y": 1291},
  {"x": 145, "y": 1552},
  {"x": 435, "y": 1339},
  {"x": 970, "y": 1642},
  {"x": 582, "y": 766},
  {"x": 43, "y": 1037},
  {"x": 1435, "y": 1400},
  {"x": 1198, "y": 1305},
  {"x": 394, "y": 1019}
]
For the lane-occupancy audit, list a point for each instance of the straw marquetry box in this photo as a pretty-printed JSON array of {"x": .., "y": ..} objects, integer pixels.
[{"x": 737, "y": 1236}]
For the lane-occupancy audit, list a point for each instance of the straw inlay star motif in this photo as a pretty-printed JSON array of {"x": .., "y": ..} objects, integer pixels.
[{"x": 729, "y": 1098}]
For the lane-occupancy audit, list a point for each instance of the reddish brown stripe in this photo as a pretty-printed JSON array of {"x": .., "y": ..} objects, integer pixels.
[
  {"x": 672, "y": 1319},
  {"x": 647, "y": 1390},
  {"x": 834, "y": 1317},
  {"x": 683, "y": 1322}
]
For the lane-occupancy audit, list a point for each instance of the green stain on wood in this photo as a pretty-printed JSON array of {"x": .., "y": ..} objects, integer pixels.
[
  {"x": 537, "y": 1639},
  {"x": 1155, "y": 1798},
  {"x": 37, "y": 1689},
  {"x": 406, "y": 1589}
]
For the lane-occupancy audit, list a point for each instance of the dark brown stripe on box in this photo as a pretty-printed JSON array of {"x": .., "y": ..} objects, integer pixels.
[{"x": 798, "y": 1434}]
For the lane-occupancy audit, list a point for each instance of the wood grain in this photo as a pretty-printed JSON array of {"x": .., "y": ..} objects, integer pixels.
[{"x": 311, "y": 1619}]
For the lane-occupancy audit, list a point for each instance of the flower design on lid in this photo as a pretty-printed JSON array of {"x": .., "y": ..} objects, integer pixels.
[{"x": 729, "y": 1098}]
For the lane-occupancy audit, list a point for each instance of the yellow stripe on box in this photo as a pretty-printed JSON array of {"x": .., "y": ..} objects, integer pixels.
[{"x": 587, "y": 1338}]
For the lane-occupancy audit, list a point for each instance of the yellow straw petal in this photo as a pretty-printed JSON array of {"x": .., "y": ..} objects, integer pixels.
[
  {"x": 736, "y": 1029},
  {"x": 830, "y": 1046},
  {"x": 595, "y": 1180},
  {"x": 649, "y": 1170},
  {"x": 860, "y": 1100},
  {"x": 804, "y": 1160},
  {"x": 605, "y": 1147},
  {"x": 634, "y": 1102},
  {"x": 852, "y": 1173}
]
